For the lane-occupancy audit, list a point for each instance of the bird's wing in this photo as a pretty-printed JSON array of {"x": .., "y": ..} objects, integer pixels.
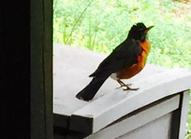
[{"x": 125, "y": 55}]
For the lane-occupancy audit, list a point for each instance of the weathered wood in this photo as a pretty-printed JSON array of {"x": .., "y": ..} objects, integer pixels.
[
  {"x": 137, "y": 120},
  {"x": 110, "y": 107},
  {"x": 157, "y": 129},
  {"x": 71, "y": 69}
]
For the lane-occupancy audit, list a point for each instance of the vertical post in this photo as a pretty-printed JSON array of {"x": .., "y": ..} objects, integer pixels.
[
  {"x": 26, "y": 69},
  {"x": 179, "y": 117},
  {"x": 41, "y": 69},
  {"x": 183, "y": 115}
]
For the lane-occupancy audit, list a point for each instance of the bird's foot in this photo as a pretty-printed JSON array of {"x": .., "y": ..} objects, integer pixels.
[
  {"x": 129, "y": 84},
  {"x": 127, "y": 88},
  {"x": 124, "y": 85}
]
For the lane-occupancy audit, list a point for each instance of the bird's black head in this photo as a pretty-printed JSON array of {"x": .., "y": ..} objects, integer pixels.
[{"x": 139, "y": 32}]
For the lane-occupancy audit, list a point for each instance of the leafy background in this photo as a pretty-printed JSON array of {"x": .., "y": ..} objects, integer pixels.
[{"x": 100, "y": 25}]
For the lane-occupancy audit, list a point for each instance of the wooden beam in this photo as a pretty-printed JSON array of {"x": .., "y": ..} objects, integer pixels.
[{"x": 111, "y": 107}]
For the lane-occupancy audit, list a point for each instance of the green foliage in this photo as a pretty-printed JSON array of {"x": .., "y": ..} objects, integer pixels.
[{"x": 100, "y": 25}]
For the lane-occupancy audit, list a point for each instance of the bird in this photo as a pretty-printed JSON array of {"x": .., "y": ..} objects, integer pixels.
[{"x": 124, "y": 62}]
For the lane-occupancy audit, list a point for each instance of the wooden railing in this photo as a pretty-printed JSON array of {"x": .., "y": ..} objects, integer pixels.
[{"x": 158, "y": 110}]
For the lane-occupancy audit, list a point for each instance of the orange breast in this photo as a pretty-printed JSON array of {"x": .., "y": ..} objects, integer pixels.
[{"x": 127, "y": 73}]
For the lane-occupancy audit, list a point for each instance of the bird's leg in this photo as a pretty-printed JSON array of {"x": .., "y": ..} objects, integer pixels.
[
  {"x": 126, "y": 86},
  {"x": 122, "y": 84}
]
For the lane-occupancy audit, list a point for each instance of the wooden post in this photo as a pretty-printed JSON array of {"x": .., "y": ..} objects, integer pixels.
[
  {"x": 184, "y": 111},
  {"x": 26, "y": 69},
  {"x": 41, "y": 69}
]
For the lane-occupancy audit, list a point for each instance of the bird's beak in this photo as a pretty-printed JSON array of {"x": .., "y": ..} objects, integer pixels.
[{"x": 148, "y": 28}]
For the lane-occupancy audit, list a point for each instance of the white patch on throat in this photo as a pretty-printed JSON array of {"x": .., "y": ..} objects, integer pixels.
[{"x": 114, "y": 76}]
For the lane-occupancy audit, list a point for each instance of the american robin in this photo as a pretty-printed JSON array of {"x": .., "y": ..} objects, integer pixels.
[{"x": 125, "y": 61}]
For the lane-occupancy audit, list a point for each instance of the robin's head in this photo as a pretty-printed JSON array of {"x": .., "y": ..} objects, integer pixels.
[{"x": 139, "y": 31}]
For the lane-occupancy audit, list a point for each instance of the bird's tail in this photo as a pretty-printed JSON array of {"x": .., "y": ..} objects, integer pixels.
[{"x": 91, "y": 89}]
